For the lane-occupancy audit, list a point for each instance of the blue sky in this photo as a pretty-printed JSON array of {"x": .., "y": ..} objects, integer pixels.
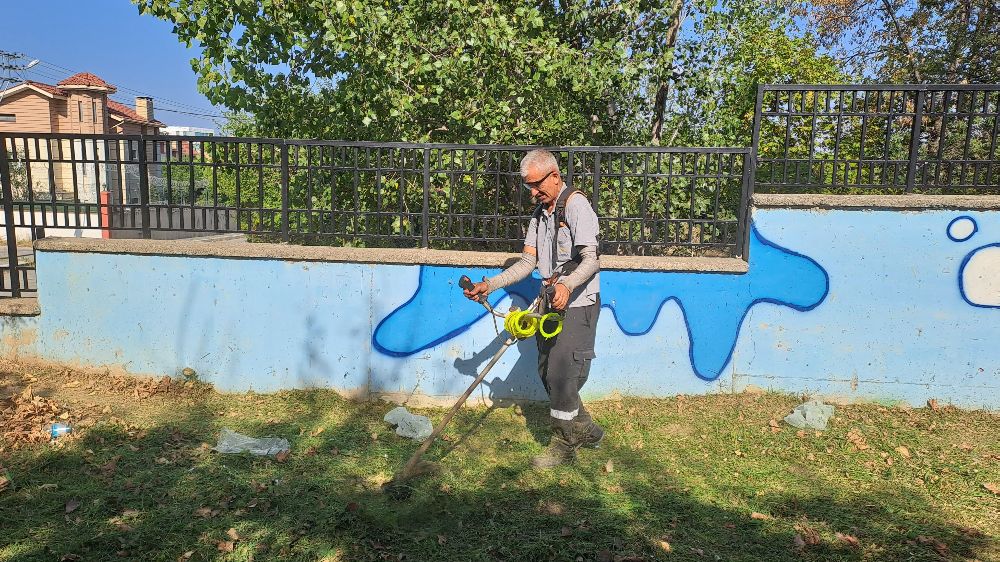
[{"x": 112, "y": 40}]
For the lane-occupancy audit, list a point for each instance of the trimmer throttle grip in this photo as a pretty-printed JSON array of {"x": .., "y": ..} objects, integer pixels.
[{"x": 466, "y": 283}]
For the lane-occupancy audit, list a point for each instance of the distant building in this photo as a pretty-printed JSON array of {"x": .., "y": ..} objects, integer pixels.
[
  {"x": 78, "y": 104},
  {"x": 186, "y": 148}
]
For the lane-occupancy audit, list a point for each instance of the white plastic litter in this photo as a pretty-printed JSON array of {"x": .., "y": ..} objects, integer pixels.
[
  {"x": 232, "y": 442},
  {"x": 810, "y": 415},
  {"x": 409, "y": 425}
]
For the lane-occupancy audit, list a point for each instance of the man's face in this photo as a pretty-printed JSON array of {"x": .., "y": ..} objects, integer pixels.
[{"x": 544, "y": 184}]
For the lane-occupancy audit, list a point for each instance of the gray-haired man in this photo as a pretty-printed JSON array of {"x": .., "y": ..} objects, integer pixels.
[{"x": 562, "y": 241}]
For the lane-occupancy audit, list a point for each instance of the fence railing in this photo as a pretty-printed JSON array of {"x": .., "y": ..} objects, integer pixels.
[
  {"x": 650, "y": 200},
  {"x": 877, "y": 139}
]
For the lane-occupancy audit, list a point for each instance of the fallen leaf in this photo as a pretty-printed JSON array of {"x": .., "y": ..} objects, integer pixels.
[
  {"x": 311, "y": 452},
  {"x": 374, "y": 436},
  {"x": 965, "y": 446},
  {"x": 109, "y": 468},
  {"x": 186, "y": 556},
  {"x": 609, "y": 466},
  {"x": 72, "y": 505},
  {"x": 937, "y": 545},
  {"x": 205, "y": 512},
  {"x": 231, "y": 533},
  {"x": 933, "y": 404},
  {"x": 849, "y": 540},
  {"x": 442, "y": 539},
  {"x": 318, "y": 430},
  {"x": 698, "y": 551},
  {"x": 4, "y": 482},
  {"x": 799, "y": 542},
  {"x": 760, "y": 516},
  {"x": 992, "y": 487},
  {"x": 903, "y": 451},
  {"x": 566, "y": 532},
  {"x": 225, "y": 546},
  {"x": 70, "y": 558},
  {"x": 282, "y": 456},
  {"x": 664, "y": 546}
]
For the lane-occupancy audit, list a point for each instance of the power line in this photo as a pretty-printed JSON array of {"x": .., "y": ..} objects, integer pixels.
[
  {"x": 166, "y": 101},
  {"x": 49, "y": 76},
  {"x": 215, "y": 115}
]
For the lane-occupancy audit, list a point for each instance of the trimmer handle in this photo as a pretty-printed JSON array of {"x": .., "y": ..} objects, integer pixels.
[{"x": 466, "y": 283}]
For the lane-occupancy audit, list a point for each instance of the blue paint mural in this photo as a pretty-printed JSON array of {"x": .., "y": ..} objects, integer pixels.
[
  {"x": 902, "y": 306},
  {"x": 713, "y": 305},
  {"x": 979, "y": 273}
]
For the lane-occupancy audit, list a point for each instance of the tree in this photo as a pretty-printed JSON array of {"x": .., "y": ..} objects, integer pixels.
[
  {"x": 498, "y": 71},
  {"x": 920, "y": 41}
]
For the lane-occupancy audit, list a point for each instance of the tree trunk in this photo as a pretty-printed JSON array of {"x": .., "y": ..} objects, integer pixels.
[{"x": 663, "y": 88}]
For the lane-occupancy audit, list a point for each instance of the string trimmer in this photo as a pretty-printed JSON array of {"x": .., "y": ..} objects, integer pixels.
[{"x": 519, "y": 324}]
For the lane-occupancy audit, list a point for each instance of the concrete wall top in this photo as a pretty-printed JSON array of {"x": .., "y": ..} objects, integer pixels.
[
  {"x": 400, "y": 256},
  {"x": 913, "y": 202}
]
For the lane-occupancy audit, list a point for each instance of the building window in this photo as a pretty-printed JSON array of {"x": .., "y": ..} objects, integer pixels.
[
  {"x": 79, "y": 110},
  {"x": 8, "y": 118},
  {"x": 93, "y": 105}
]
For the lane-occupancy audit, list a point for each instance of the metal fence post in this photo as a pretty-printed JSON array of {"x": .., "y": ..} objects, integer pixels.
[
  {"x": 596, "y": 203},
  {"x": 8, "y": 216},
  {"x": 285, "y": 229},
  {"x": 144, "y": 188},
  {"x": 425, "y": 238},
  {"x": 749, "y": 177},
  {"x": 918, "y": 117}
]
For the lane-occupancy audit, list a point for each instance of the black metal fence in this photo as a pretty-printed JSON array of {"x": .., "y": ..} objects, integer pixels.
[
  {"x": 650, "y": 200},
  {"x": 935, "y": 139}
]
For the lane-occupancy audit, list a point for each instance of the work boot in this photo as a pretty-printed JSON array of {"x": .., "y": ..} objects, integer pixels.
[
  {"x": 587, "y": 432},
  {"x": 560, "y": 450}
]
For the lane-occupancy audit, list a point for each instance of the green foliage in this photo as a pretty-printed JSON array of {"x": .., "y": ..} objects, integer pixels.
[{"x": 576, "y": 72}]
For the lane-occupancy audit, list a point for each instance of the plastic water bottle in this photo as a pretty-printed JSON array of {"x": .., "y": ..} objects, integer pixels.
[{"x": 60, "y": 429}]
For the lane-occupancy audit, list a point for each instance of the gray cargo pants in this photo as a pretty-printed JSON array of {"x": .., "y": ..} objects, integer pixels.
[{"x": 564, "y": 365}]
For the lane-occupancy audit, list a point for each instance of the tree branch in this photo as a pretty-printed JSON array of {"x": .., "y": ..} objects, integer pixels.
[{"x": 906, "y": 44}]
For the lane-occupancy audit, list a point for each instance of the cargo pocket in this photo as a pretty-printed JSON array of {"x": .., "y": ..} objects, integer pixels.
[{"x": 582, "y": 359}]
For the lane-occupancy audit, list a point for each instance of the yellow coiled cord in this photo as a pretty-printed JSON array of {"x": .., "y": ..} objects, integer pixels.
[{"x": 521, "y": 326}]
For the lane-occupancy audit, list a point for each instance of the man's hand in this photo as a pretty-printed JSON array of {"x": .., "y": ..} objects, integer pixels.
[
  {"x": 561, "y": 298},
  {"x": 478, "y": 291}
]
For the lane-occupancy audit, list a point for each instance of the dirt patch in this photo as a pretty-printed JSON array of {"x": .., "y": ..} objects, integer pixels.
[{"x": 29, "y": 407}]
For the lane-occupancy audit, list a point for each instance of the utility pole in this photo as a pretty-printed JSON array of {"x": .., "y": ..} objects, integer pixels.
[{"x": 11, "y": 68}]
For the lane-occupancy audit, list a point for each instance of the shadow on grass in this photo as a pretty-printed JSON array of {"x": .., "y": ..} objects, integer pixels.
[{"x": 165, "y": 495}]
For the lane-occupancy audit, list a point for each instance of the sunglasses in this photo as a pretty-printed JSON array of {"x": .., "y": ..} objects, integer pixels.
[{"x": 529, "y": 185}]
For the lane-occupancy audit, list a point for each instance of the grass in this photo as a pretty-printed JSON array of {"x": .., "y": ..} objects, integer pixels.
[{"x": 686, "y": 478}]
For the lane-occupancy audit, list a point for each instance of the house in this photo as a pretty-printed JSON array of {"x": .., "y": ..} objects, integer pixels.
[{"x": 80, "y": 104}]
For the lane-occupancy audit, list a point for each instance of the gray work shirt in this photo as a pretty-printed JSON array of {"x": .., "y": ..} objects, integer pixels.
[{"x": 579, "y": 229}]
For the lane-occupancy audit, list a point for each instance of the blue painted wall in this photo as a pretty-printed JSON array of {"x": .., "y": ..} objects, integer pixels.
[{"x": 860, "y": 304}]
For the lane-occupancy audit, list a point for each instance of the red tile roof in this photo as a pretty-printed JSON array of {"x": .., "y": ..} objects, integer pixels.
[
  {"x": 50, "y": 89},
  {"x": 87, "y": 79},
  {"x": 129, "y": 114}
]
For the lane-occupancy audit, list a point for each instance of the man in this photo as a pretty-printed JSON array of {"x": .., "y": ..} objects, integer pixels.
[{"x": 566, "y": 257}]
